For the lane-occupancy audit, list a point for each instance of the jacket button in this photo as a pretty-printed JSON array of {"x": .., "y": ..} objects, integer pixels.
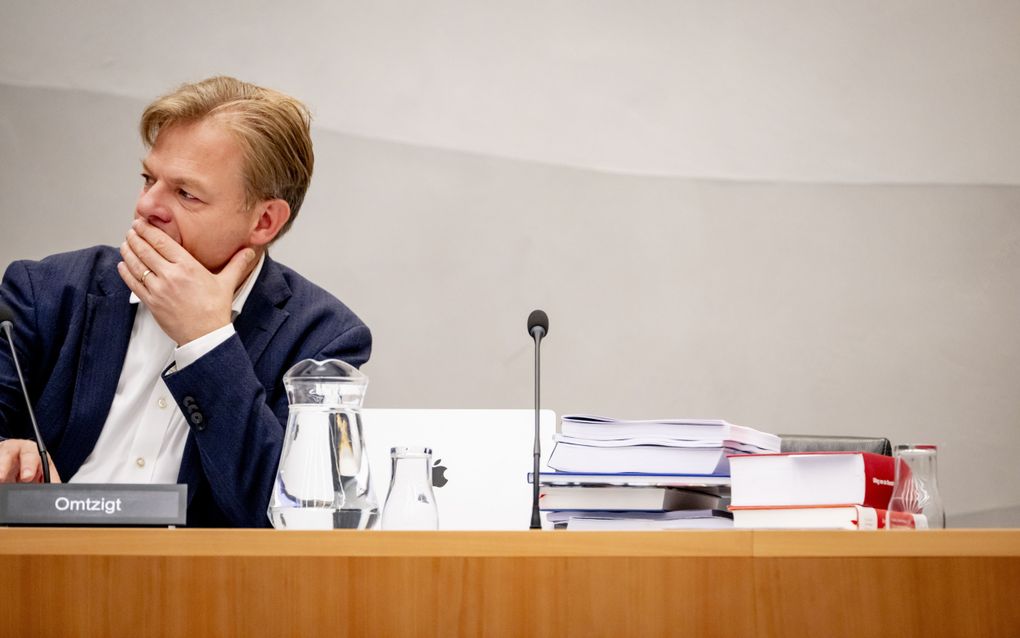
[{"x": 197, "y": 419}]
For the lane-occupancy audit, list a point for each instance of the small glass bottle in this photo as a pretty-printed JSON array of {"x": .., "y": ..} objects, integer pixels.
[
  {"x": 915, "y": 501},
  {"x": 410, "y": 503}
]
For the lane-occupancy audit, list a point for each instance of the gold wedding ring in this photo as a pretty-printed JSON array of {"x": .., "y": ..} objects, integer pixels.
[{"x": 144, "y": 275}]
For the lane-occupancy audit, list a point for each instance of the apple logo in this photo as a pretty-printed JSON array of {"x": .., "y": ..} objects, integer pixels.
[{"x": 439, "y": 474}]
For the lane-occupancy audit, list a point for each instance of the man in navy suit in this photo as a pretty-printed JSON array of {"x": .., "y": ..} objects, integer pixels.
[{"x": 162, "y": 361}]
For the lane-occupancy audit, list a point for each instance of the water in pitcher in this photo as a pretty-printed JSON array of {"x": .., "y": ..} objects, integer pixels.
[{"x": 323, "y": 481}]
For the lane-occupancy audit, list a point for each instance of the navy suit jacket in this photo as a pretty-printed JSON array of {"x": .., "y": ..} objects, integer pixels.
[{"x": 72, "y": 326}]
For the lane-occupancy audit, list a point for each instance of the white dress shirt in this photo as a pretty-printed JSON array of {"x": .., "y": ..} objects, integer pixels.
[{"x": 143, "y": 438}]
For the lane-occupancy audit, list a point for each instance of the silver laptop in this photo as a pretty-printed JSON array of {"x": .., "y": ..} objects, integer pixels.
[{"x": 481, "y": 460}]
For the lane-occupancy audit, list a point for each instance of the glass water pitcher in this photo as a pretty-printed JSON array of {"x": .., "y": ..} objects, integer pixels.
[{"x": 323, "y": 480}]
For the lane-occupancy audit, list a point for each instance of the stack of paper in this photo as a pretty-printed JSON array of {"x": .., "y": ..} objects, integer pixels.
[
  {"x": 643, "y": 521},
  {"x": 660, "y": 474},
  {"x": 671, "y": 446}
]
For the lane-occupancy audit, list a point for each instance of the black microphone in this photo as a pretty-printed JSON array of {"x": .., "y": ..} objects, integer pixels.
[
  {"x": 538, "y": 327},
  {"x": 6, "y": 324},
  {"x": 538, "y": 324}
]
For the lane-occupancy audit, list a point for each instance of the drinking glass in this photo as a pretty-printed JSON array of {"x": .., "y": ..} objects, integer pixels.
[{"x": 915, "y": 501}]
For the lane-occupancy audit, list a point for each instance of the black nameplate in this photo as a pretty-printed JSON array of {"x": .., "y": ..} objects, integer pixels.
[{"x": 92, "y": 504}]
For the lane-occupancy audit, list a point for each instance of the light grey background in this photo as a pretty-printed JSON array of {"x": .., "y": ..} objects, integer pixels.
[{"x": 797, "y": 216}]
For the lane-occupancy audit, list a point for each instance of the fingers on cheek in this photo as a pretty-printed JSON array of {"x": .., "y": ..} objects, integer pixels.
[
  {"x": 144, "y": 246},
  {"x": 128, "y": 257},
  {"x": 135, "y": 243}
]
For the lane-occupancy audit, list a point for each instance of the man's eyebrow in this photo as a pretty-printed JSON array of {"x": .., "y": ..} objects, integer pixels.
[{"x": 186, "y": 182}]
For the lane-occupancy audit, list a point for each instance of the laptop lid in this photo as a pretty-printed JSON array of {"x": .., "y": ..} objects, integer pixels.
[{"x": 481, "y": 460}]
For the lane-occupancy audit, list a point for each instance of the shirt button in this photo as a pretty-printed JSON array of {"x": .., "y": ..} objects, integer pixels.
[
  {"x": 161, "y": 403},
  {"x": 140, "y": 462}
]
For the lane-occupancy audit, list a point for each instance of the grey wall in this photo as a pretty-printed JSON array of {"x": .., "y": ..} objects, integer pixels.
[{"x": 804, "y": 219}]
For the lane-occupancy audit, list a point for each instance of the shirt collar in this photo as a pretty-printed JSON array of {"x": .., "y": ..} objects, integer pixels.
[{"x": 242, "y": 293}]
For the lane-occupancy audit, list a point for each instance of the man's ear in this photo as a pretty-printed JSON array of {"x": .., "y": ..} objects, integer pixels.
[{"x": 272, "y": 216}]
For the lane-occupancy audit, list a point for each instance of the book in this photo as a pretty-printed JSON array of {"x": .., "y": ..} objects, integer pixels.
[
  {"x": 642, "y": 521},
  {"x": 840, "y": 517},
  {"x": 716, "y": 482},
  {"x": 658, "y": 459},
  {"x": 811, "y": 478},
  {"x": 606, "y": 498},
  {"x": 606, "y": 428},
  {"x": 661, "y": 442}
]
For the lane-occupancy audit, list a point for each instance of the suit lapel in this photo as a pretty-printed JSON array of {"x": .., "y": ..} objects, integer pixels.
[
  {"x": 105, "y": 336},
  {"x": 261, "y": 316}
]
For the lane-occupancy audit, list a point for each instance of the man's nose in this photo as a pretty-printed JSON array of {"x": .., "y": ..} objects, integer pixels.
[{"x": 152, "y": 204}]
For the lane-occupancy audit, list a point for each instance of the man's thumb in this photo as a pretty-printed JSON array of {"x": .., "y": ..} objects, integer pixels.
[{"x": 237, "y": 268}]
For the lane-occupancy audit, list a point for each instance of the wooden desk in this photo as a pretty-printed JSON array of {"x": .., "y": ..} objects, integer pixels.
[{"x": 131, "y": 582}]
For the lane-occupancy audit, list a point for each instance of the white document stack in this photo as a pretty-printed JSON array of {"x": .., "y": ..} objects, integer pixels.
[{"x": 652, "y": 474}]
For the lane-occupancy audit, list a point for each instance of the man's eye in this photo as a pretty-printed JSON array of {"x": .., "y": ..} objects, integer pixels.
[
  {"x": 186, "y": 195},
  {"x": 148, "y": 180}
]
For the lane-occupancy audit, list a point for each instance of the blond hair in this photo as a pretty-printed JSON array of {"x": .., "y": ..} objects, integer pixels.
[{"x": 274, "y": 131}]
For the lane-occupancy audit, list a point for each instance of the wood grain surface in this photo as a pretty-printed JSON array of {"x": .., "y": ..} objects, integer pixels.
[{"x": 118, "y": 582}]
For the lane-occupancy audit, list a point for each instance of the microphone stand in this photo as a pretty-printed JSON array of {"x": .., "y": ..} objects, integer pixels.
[
  {"x": 43, "y": 455},
  {"x": 536, "y": 519}
]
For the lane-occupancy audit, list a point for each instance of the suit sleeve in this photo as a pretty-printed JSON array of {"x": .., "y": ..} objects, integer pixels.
[
  {"x": 16, "y": 292},
  {"x": 238, "y": 431}
]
